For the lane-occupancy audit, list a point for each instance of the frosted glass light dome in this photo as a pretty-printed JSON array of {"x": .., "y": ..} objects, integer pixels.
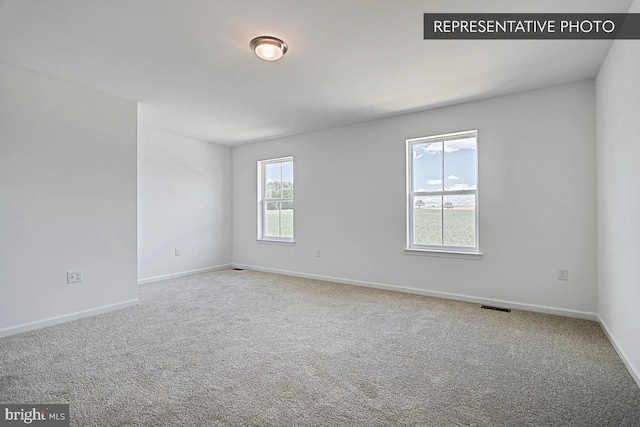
[{"x": 268, "y": 48}]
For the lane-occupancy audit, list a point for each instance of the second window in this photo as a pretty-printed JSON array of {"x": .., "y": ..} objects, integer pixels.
[
  {"x": 275, "y": 199},
  {"x": 442, "y": 193}
]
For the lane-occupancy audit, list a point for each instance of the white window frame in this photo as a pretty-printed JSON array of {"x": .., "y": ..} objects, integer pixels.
[
  {"x": 262, "y": 201},
  {"x": 411, "y": 195}
]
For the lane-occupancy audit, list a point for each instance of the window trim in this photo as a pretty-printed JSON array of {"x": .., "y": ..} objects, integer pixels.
[
  {"x": 410, "y": 195},
  {"x": 261, "y": 201}
]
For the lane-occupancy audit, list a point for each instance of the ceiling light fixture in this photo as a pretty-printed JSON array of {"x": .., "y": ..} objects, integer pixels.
[{"x": 268, "y": 48}]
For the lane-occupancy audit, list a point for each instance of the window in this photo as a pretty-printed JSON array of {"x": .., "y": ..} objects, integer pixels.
[
  {"x": 275, "y": 199},
  {"x": 442, "y": 193}
]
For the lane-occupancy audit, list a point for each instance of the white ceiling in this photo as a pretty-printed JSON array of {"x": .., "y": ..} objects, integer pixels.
[{"x": 189, "y": 65}]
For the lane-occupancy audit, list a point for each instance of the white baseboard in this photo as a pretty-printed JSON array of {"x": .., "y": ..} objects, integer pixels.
[
  {"x": 25, "y": 327},
  {"x": 436, "y": 294},
  {"x": 182, "y": 274},
  {"x": 635, "y": 373}
]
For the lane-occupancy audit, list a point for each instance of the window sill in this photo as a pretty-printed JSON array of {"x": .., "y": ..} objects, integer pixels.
[
  {"x": 444, "y": 254},
  {"x": 276, "y": 242}
]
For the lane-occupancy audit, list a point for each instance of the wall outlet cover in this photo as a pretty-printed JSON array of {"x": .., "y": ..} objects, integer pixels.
[
  {"x": 563, "y": 274},
  {"x": 74, "y": 276}
]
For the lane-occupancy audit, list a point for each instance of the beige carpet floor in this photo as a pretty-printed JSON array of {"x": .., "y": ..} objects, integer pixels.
[{"x": 241, "y": 348}]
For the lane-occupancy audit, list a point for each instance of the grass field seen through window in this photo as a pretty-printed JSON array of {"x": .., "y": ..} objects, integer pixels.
[
  {"x": 279, "y": 220},
  {"x": 459, "y": 227}
]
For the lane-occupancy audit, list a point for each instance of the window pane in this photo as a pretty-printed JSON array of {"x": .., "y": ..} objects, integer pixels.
[
  {"x": 286, "y": 218},
  {"x": 273, "y": 179},
  {"x": 287, "y": 180},
  {"x": 272, "y": 219},
  {"x": 287, "y": 171},
  {"x": 427, "y": 220},
  {"x": 427, "y": 166},
  {"x": 460, "y": 164},
  {"x": 459, "y": 217}
]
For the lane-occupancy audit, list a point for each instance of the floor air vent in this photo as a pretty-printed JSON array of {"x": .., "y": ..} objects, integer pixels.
[
  {"x": 239, "y": 269},
  {"x": 490, "y": 307}
]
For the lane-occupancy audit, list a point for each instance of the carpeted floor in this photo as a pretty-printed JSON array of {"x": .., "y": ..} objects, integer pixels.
[{"x": 241, "y": 348}]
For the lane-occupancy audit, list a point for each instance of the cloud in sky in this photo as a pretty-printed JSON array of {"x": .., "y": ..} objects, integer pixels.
[
  {"x": 434, "y": 181},
  {"x": 454, "y": 187},
  {"x": 449, "y": 146},
  {"x": 458, "y": 187},
  {"x": 452, "y": 178}
]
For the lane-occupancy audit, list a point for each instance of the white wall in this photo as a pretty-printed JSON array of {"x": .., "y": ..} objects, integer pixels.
[
  {"x": 184, "y": 201},
  {"x": 67, "y": 199},
  {"x": 537, "y": 201},
  {"x": 618, "y": 147}
]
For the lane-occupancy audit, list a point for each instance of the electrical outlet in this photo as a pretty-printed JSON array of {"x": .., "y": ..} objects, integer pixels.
[
  {"x": 317, "y": 252},
  {"x": 74, "y": 276},
  {"x": 177, "y": 251},
  {"x": 563, "y": 274}
]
